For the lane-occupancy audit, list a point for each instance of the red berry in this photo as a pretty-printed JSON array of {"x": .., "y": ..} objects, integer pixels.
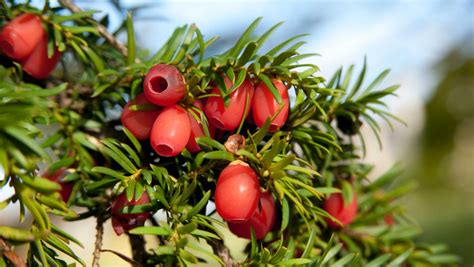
[
  {"x": 264, "y": 105},
  {"x": 164, "y": 85},
  {"x": 228, "y": 118},
  {"x": 334, "y": 205},
  {"x": 139, "y": 122},
  {"x": 21, "y": 35},
  {"x": 57, "y": 176},
  {"x": 170, "y": 132},
  {"x": 237, "y": 193},
  {"x": 261, "y": 221},
  {"x": 196, "y": 129},
  {"x": 124, "y": 222},
  {"x": 37, "y": 64},
  {"x": 389, "y": 220}
]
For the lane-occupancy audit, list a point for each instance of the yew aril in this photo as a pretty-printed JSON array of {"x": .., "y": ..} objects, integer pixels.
[
  {"x": 265, "y": 106},
  {"x": 38, "y": 64},
  {"x": 164, "y": 85},
  {"x": 237, "y": 193},
  {"x": 139, "y": 122},
  {"x": 262, "y": 220},
  {"x": 124, "y": 222},
  {"x": 197, "y": 130},
  {"x": 20, "y": 36},
  {"x": 334, "y": 205},
  {"x": 58, "y": 176},
  {"x": 229, "y": 118},
  {"x": 170, "y": 132},
  {"x": 389, "y": 220}
]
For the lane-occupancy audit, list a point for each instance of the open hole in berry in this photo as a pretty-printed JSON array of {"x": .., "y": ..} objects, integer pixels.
[
  {"x": 216, "y": 122},
  {"x": 6, "y": 47},
  {"x": 164, "y": 150},
  {"x": 158, "y": 84}
]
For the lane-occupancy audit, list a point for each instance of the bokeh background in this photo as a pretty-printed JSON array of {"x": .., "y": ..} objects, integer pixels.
[{"x": 429, "y": 47}]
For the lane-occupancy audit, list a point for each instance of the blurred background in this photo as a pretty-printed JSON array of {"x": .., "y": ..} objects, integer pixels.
[{"x": 428, "y": 45}]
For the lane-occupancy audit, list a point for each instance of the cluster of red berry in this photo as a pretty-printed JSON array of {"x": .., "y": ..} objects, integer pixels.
[
  {"x": 24, "y": 39},
  {"x": 171, "y": 128},
  {"x": 239, "y": 198}
]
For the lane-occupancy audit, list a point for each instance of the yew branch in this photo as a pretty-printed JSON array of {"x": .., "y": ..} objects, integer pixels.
[
  {"x": 98, "y": 240},
  {"x": 100, "y": 28},
  {"x": 222, "y": 252},
  {"x": 16, "y": 260}
]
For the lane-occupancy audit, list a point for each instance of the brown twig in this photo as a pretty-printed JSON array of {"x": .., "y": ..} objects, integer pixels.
[
  {"x": 123, "y": 257},
  {"x": 100, "y": 28},
  {"x": 222, "y": 252},
  {"x": 6, "y": 251},
  {"x": 137, "y": 242},
  {"x": 98, "y": 240}
]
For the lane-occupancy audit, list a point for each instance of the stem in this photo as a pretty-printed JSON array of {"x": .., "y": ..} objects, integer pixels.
[
  {"x": 222, "y": 252},
  {"x": 98, "y": 240},
  {"x": 123, "y": 257},
  {"x": 137, "y": 242},
  {"x": 6, "y": 251},
  {"x": 100, "y": 28}
]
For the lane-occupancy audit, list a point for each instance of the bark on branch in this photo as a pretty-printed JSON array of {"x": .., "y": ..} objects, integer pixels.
[
  {"x": 222, "y": 252},
  {"x": 137, "y": 242},
  {"x": 6, "y": 251},
  {"x": 98, "y": 240}
]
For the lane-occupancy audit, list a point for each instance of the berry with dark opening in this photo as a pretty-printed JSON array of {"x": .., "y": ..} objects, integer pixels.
[
  {"x": 20, "y": 36},
  {"x": 265, "y": 106},
  {"x": 170, "y": 132},
  {"x": 124, "y": 222},
  {"x": 334, "y": 205},
  {"x": 58, "y": 176},
  {"x": 237, "y": 192},
  {"x": 38, "y": 64},
  {"x": 262, "y": 220},
  {"x": 229, "y": 118},
  {"x": 197, "y": 130},
  {"x": 164, "y": 85},
  {"x": 139, "y": 122}
]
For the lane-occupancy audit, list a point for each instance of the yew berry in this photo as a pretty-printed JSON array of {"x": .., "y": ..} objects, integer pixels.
[
  {"x": 261, "y": 221},
  {"x": 164, "y": 85},
  {"x": 37, "y": 64},
  {"x": 58, "y": 176},
  {"x": 264, "y": 105},
  {"x": 197, "y": 129},
  {"x": 237, "y": 192},
  {"x": 123, "y": 222},
  {"x": 139, "y": 122},
  {"x": 21, "y": 35},
  {"x": 229, "y": 118},
  {"x": 170, "y": 132},
  {"x": 334, "y": 205},
  {"x": 389, "y": 220}
]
